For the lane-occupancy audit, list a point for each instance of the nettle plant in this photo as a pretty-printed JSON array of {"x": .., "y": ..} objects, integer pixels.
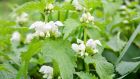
[{"x": 55, "y": 40}]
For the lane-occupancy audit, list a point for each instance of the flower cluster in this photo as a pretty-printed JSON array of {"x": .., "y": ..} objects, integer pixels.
[
  {"x": 49, "y": 8},
  {"x": 47, "y": 71},
  {"x": 86, "y": 17},
  {"x": 22, "y": 18},
  {"x": 85, "y": 48},
  {"x": 43, "y": 29}
]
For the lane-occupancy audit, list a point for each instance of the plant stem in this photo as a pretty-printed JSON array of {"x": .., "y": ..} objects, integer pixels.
[
  {"x": 85, "y": 34},
  {"x": 58, "y": 15},
  {"x": 87, "y": 67},
  {"x": 85, "y": 39},
  {"x": 67, "y": 12},
  {"x": 46, "y": 18}
]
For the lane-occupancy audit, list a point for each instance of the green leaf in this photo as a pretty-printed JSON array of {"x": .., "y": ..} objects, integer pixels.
[
  {"x": 70, "y": 26},
  {"x": 84, "y": 75},
  {"x": 93, "y": 33},
  {"x": 133, "y": 53},
  {"x": 30, "y": 6},
  {"x": 33, "y": 49},
  {"x": 104, "y": 69},
  {"x": 126, "y": 67},
  {"x": 128, "y": 43},
  {"x": 61, "y": 52},
  {"x": 7, "y": 71},
  {"x": 115, "y": 43}
]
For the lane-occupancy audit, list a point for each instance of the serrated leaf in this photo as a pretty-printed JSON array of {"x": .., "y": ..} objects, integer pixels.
[
  {"x": 84, "y": 75},
  {"x": 8, "y": 71},
  {"x": 104, "y": 69},
  {"x": 33, "y": 49},
  {"x": 70, "y": 26},
  {"x": 126, "y": 67},
  {"x": 61, "y": 52},
  {"x": 116, "y": 44}
]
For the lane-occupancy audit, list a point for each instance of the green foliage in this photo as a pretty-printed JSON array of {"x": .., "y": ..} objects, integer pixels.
[
  {"x": 30, "y": 6},
  {"x": 115, "y": 24},
  {"x": 127, "y": 67},
  {"x": 70, "y": 26},
  {"x": 116, "y": 44},
  {"x": 104, "y": 69},
  {"x": 60, "y": 51},
  {"x": 83, "y": 75}
]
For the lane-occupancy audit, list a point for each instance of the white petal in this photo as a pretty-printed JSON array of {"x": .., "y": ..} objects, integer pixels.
[
  {"x": 90, "y": 43},
  {"x": 82, "y": 47},
  {"x": 50, "y": 7},
  {"x": 98, "y": 42},
  {"x": 15, "y": 37},
  {"x": 75, "y": 47},
  {"x": 58, "y": 23},
  {"x": 46, "y": 69},
  {"x": 37, "y": 25},
  {"x": 29, "y": 38}
]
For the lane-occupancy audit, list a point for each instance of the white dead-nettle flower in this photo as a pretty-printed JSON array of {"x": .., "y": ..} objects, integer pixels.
[
  {"x": 22, "y": 18},
  {"x": 79, "y": 48},
  {"x": 53, "y": 28},
  {"x": 47, "y": 29},
  {"x": 77, "y": 5},
  {"x": 15, "y": 37},
  {"x": 39, "y": 27},
  {"x": 86, "y": 17},
  {"x": 49, "y": 7},
  {"x": 29, "y": 37},
  {"x": 93, "y": 44},
  {"x": 47, "y": 71}
]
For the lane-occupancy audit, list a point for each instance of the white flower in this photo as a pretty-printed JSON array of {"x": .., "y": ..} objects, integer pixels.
[
  {"x": 75, "y": 47},
  {"x": 47, "y": 29},
  {"x": 15, "y": 37},
  {"x": 22, "y": 18},
  {"x": 77, "y": 5},
  {"x": 38, "y": 26},
  {"x": 49, "y": 7},
  {"x": 86, "y": 17},
  {"x": 58, "y": 23},
  {"x": 29, "y": 37},
  {"x": 47, "y": 71},
  {"x": 79, "y": 48},
  {"x": 54, "y": 28},
  {"x": 93, "y": 44}
]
